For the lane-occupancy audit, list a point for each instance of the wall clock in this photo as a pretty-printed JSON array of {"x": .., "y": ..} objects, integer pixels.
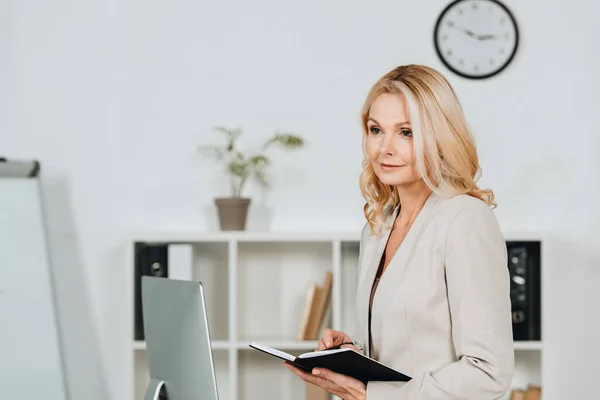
[{"x": 476, "y": 39}]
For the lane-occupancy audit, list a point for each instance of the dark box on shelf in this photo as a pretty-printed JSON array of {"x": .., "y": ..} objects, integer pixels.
[
  {"x": 149, "y": 260},
  {"x": 524, "y": 264}
]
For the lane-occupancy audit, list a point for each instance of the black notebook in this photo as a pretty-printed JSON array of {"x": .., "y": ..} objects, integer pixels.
[{"x": 344, "y": 361}]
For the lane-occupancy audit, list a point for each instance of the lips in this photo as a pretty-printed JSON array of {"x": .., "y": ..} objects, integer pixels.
[{"x": 390, "y": 165}]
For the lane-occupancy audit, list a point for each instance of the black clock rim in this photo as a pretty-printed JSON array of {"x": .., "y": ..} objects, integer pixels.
[{"x": 463, "y": 74}]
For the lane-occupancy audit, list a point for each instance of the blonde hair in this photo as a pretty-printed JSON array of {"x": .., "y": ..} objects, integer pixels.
[{"x": 445, "y": 150}]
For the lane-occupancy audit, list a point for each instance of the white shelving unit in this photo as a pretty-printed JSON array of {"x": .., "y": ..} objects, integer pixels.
[{"x": 255, "y": 287}]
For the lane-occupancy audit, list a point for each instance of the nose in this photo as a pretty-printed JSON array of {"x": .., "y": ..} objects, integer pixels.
[{"x": 387, "y": 145}]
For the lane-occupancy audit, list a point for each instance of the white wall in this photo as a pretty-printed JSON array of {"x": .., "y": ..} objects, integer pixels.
[{"x": 113, "y": 97}]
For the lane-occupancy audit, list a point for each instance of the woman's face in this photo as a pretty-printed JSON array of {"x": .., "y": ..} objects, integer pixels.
[{"x": 389, "y": 143}]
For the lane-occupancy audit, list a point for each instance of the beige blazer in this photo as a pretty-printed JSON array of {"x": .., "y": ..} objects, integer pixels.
[{"x": 441, "y": 312}]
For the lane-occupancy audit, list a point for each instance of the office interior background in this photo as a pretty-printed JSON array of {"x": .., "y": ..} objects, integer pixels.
[{"x": 114, "y": 98}]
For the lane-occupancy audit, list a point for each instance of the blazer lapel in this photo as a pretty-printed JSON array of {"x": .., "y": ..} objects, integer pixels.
[
  {"x": 378, "y": 252},
  {"x": 403, "y": 255},
  {"x": 373, "y": 263},
  {"x": 399, "y": 261}
]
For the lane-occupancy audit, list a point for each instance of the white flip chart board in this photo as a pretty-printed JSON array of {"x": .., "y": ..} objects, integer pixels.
[{"x": 30, "y": 356}]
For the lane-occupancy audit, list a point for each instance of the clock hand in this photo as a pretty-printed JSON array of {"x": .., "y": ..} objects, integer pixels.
[
  {"x": 467, "y": 31},
  {"x": 486, "y": 37},
  {"x": 474, "y": 35}
]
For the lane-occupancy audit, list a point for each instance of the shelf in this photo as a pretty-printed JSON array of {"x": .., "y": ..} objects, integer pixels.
[
  {"x": 255, "y": 288},
  {"x": 215, "y": 345},
  {"x": 528, "y": 346},
  {"x": 193, "y": 236},
  {"x": 307, "y": 345},
  {"x": 244, "y": 236},
  {"x": 266, "y": 272}
]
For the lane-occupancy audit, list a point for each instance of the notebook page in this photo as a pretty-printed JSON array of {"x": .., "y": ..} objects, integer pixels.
[
  {"x": 323, "y": 353},
  {"x": 275, "y": 352}
]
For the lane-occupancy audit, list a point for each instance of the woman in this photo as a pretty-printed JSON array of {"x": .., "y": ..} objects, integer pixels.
[{"x": 433, "y": 283}]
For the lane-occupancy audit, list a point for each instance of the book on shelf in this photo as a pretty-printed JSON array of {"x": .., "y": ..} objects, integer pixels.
[
  {"x": 532, "y": 392},
  {"x": 316, "y": 305},
  {"x": 345, "y": 361},
  {"x": 308, "y": 305},
  {"x": 315, "y": 308}
]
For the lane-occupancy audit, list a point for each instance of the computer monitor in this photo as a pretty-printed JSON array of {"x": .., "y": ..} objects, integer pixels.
[{"x": 178, "y": 347}]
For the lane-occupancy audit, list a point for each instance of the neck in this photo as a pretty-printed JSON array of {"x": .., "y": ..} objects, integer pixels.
[{"x": 412, "y": 199}]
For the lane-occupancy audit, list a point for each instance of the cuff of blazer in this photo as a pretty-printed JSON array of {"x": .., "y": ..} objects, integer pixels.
[{"x": 377, "y": 390}]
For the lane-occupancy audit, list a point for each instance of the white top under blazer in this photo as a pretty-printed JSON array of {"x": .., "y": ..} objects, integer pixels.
[{"x": 441, "y": 312}]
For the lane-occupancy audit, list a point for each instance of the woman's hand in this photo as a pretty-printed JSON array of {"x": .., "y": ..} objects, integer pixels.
[
  {"x": 343, "y": 386},
  {"x": 332, "y": 338},
  {"x": 340, "y": 385}
]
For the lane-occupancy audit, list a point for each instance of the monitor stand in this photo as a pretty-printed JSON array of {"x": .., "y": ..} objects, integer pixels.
[{"x": 156, "y": 390}]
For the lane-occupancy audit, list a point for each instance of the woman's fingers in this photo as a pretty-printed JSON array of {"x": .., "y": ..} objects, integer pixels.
[
  {"x": 350, "y": 346},
  {"x": 332, "y": 338},
  {"x": 327, "y": 340},
  {"x": 322, "y": 345}
]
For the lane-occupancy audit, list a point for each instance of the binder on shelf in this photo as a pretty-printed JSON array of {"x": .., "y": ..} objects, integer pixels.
[
  {"x": 344, "y": 361},
  {"x": 524, "y": 264}
]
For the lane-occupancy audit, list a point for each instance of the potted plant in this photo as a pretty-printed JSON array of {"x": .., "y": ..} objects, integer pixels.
[{"x": 241, "y": 167}]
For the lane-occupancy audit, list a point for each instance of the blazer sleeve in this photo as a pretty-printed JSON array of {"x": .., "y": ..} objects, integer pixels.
[{"x": 478, "y": 287}]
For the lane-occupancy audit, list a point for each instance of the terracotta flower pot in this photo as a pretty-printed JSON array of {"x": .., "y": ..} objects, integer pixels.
[{"x": 233, "y": 213}]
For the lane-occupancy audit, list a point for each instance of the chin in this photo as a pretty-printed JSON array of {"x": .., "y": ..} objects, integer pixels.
[
  {"x": 396, "y": 183},
  {"x": 397, "y": 179},
  {"x": 394, "y": 180}
]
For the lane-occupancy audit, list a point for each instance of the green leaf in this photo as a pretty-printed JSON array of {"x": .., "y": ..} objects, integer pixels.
[
  {"x": 259, "y": 161},
  {"x": 232, "y": 135},
  {"x": 286, "y": 140},
  {"x": 238, "y": 169},
  {"x": 241, "y": 167}
]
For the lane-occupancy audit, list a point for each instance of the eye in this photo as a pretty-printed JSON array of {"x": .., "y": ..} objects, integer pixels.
[
  {"x": 406, "y": 133},
  {"x": 375, "y": 130}
]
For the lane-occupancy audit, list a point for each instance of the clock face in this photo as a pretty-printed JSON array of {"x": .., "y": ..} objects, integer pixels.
[{"x": 476, "y": 38}]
